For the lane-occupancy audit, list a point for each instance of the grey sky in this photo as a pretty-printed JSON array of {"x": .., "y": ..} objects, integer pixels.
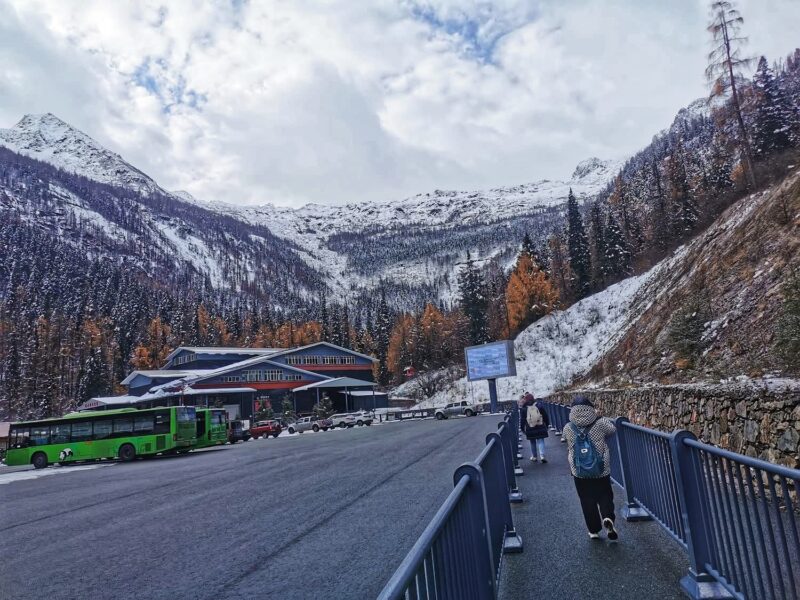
[{"x": 304, "y": 101}]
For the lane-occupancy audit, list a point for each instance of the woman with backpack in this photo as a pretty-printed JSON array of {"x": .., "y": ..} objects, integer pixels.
[
  {"x": 535, "y": 423},
  {"x": 590, "y": 463}
]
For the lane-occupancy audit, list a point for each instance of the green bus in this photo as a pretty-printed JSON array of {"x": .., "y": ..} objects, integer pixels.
[
  {"x": 212, "y": 427},
  {"x": 125, "y": 434}
]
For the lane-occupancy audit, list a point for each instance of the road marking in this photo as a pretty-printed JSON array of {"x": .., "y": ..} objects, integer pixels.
[{"x": 36, "y": 474}]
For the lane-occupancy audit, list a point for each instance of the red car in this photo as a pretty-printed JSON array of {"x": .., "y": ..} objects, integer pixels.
[{"x": 265, "y": 429}]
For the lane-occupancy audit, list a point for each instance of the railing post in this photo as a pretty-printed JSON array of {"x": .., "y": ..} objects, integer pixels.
[
  {"x": 631, "y": 511},
  {"x": 507, "y": 438},
  {"x": 515, "y": 455},
  {"x": 688, "y": 475},
  {"x": 496, "y": 496},
  {"x": 518, "y": 431},
  {"x": 475, "y": 495}
]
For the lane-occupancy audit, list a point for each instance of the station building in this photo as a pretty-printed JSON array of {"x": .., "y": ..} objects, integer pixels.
[{"x": 244, "y": 380}]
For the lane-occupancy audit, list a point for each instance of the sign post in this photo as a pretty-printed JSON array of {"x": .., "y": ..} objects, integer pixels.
[{"x": 490, "y": 361}]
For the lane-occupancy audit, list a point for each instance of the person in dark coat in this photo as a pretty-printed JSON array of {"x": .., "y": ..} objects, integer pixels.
[
  {"x": 594, "y": 492},
  {"x": 535, "y": 428}
]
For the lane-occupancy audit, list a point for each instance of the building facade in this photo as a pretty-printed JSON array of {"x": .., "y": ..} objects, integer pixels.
[{"x": 246, "y": 380}]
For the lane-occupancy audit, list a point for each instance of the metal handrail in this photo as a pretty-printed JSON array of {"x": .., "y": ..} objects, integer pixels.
[
  {"x": 459, "y": 554},
  {"x": 738, "y": 517}
]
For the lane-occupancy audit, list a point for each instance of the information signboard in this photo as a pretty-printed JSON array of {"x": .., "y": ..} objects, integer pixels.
[{"x": 490, "y": 361}]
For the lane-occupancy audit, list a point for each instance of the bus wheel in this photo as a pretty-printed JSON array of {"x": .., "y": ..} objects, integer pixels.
[
  {"x": 39, "y": 460},
  {"x": 127, "y": 452}
]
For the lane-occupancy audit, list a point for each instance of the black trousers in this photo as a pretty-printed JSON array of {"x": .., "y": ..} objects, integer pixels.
[{"x": 597, "y": 501}]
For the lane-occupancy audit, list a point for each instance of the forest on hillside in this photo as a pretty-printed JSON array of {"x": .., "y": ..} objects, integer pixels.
[{"x": 81, "y": 305}]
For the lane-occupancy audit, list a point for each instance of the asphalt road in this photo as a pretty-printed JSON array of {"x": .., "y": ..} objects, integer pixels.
[{"x": 326, "y": 515}]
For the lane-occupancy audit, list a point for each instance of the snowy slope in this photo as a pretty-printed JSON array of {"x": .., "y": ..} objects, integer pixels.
[{"x": 565, "y": 344}]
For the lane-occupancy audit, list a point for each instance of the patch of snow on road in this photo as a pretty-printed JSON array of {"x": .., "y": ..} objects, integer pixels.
[{"x": 6, "y": 478}]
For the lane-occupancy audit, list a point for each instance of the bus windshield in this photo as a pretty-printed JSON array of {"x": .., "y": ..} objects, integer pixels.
[{"x": 186, "y": 414}]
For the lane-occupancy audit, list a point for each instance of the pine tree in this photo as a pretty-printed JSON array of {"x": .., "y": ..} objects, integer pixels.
[
  {"x": 598, "y": 239},
  {"x": 578, "y": 247},
  {"x": 473, "y": 302},
  {"x": 617, "y": 261},
  {"x": 773, "y": 113}
]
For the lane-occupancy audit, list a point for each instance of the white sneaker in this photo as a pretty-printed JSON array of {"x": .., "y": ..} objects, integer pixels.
[
  {"x": 613, "y": 536},
  {"x": 594, "y": 536},
  {"x": 533, "y": 459}
]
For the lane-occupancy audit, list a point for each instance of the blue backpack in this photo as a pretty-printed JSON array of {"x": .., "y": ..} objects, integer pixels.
[{"x": 588, "y": 461}]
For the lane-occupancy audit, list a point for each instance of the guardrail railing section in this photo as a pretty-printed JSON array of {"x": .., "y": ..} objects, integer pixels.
[
  {"x": 459, "y": 554},
  {"x": 737, "y": 517},
  {"x": 742, "y": 515}
]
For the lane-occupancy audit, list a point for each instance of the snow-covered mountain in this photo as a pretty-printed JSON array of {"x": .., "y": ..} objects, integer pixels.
[
  {"x": 47, "y": 138},
  {"x": 414, "y": 242}
]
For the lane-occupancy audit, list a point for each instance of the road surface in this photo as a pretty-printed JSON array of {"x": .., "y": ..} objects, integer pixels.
[{"x": 325, "y": 515}]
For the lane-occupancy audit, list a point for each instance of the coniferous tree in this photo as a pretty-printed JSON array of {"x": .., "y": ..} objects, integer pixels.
[
  {"x": 617, "y": 262},
  {"x": 598, "y": 246},
  {"x": 773, "y": 113},
  {"x": 472, "y": 298},
  {"x": 578, "y": 246}
]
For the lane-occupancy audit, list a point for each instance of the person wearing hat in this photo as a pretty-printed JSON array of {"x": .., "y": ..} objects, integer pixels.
[{"x": 590, "y": 463}]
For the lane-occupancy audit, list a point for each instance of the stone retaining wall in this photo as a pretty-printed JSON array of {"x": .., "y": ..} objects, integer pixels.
[{"x": 759, "y": 421}]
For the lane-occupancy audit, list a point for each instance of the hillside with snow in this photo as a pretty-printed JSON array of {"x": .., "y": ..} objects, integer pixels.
[{"x": 414, "y": 243}]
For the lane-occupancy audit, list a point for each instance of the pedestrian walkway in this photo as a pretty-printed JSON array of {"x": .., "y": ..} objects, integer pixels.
[{"x": 560, "y": 561}]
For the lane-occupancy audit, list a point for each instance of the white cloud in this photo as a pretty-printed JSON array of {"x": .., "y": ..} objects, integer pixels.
[{"x": 336, "y": 101}]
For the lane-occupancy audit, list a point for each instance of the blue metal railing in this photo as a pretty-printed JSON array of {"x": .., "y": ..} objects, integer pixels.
[
  {"x": 459, "y": 554},
  {"x": 737, "y": 517}
]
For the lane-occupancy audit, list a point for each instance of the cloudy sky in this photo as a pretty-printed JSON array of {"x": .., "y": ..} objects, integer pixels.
[{"x": 331, "y": 101}]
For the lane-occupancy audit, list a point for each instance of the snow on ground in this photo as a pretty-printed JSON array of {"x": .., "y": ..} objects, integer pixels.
[
  {"x": 561, "y": 346},
  {"x": 6, "y": 478}
]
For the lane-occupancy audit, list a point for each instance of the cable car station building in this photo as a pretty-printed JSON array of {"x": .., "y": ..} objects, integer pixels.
[{"x": 245, "y": 380}]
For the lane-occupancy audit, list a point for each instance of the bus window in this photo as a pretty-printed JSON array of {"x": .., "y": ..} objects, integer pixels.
[
  {"x": 201, "y": 423},
  {"x": 123, "y": 426},
  {"x": 59, "y": 434},
  {"x": 40, "y": 436},
  {"x": 102, "y": 429},
  {"x": 186, "y": 414},
  {"x": 20, "y": 437},
  {"x": 218, "y": 417},
  {"x": 81, "y": 431},
  {"x": 143, "y": 425},
  {"x": 162, "y": 422}
]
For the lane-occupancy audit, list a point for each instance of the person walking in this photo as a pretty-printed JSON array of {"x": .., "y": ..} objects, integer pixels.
[
  {"x": 590, "y": 463},
  {"x": 535, "y": 425}
]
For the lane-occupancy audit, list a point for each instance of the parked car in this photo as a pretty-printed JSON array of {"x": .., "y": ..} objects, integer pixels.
[
  {"x": 457, "y": 408},
  {"x": 343, "y": 420},
  {"x": 266, "y": 428},
  {"x": 364, "y": 418},
  {"x": 309, "y": 423},
  {"x": 237, "y": 432}
]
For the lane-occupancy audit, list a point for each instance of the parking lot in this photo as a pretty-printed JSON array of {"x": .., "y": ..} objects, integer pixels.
[{"x": 327, "y": 514}]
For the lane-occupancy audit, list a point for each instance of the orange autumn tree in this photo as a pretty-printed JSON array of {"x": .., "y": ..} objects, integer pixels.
[
  {"x": 402, "y": 345},
  {"x": 530, "y": 294}
]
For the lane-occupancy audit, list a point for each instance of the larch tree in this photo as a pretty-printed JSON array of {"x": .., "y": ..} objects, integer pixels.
[
  {"x": 725, "y": 66},
  {"x": 530, "y": 294}
]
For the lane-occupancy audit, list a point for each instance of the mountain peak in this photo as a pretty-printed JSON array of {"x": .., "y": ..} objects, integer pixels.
[
  {"x": 594, "y": 168},
  {"x": 47, "y": 138}
]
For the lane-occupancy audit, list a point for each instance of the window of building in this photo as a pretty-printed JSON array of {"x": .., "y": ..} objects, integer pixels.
[{"x": 185, "y": 358}]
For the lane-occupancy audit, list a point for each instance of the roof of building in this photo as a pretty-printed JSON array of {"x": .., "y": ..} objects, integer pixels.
[
  {"x": 359, "y": 393},
  {"x": 337, "y": 382},
  {"x": 307, "y": 346},
  {"x": 159, "y": 394},
  {"x": 223, "y": 350},
  {"x": 161, "y": 373}
]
